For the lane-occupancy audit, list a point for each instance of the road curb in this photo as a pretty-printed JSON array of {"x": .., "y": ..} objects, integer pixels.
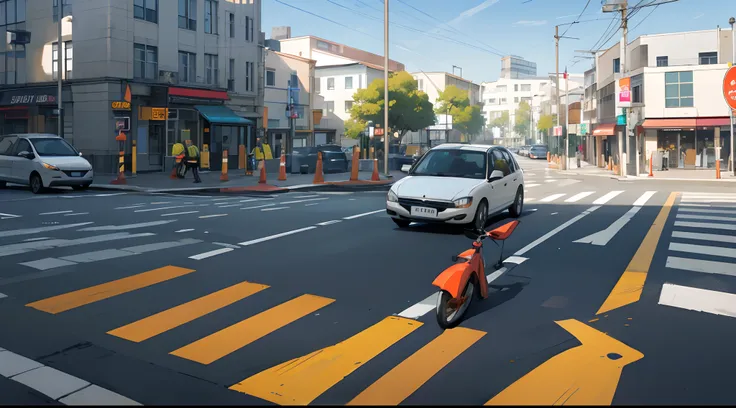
[{"x": 254, "y": 190}]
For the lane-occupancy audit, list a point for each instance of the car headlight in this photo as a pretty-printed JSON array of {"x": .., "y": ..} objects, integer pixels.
[
  {"x": 464, "y": 202},
  {"x": 392, "y": 197},
  {"x": 50, "y": 167}
]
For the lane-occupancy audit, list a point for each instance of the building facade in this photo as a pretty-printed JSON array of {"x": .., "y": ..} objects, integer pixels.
[
  {"x": 515, "y": 67},
  {"x": 194, "y": 70},
  {"x": 678, "y": 111},
  {"x": 327, "y": 52}
]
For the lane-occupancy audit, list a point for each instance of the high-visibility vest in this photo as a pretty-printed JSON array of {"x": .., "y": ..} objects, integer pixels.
[
  {"x": 267, "y": 151},
  {"x": 193, "y": 153},
  {"x": 258, "y": 153},
  {"x": 177, "y": 149}
]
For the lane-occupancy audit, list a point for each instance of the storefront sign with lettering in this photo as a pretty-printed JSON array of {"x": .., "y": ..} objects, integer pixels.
[{"x": 121, "y": 105}]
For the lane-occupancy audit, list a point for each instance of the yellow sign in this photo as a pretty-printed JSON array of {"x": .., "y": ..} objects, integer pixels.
[
  {"x": 159, "y": 113},
  {"x": 121, "y": 105}
]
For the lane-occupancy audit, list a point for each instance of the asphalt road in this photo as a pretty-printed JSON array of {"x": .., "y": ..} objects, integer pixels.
[{"x": 317, "y": 298}]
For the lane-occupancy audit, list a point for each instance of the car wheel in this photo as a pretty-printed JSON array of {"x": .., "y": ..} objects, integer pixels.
[
  {"x": 518, "y": 205},
  {"x": 481, "y": 216},
  {"x": 401, "y": 223},
  {"x": 36, "y": 184},
  {"x": 81, "y": 187}
]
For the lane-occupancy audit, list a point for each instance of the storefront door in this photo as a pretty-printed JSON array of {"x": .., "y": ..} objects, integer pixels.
[{"x": 156, "y": 144}]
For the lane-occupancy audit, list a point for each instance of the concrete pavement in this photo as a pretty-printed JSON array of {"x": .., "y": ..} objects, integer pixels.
[{"x": 318, "y": 298}]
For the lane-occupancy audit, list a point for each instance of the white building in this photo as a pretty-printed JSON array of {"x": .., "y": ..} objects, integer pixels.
[
  {"x": 197, "y": 62},
  {"x": 504, "y": 95},
  {"x": 515, "y": 67},
  {"x": 327, "y": 52},
  {"x": 433, "y": 83},
  {"x": 677, "y": 99}
]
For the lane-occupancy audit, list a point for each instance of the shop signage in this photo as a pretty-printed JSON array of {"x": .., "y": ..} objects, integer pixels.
[
  {"x": 729, "y": 87},
  {"x": 121, "y": 105},
  {"x": 149, "y": 113},
  {"x": 27, "y": 98},
  {"x": 624, "y": 94},
  {"x": 583, "y": 128},
  {"x": 557, "y": 131}
]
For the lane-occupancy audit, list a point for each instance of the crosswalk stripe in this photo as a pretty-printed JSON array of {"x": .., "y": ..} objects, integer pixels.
[
  {"x": 696, "y": 210},
  {"x": 551, "y": 198},
  {"x": 579, "y": 196},
  {"x": 699, "y": 265},
  {"x": 641, "y": 201},
  {"x": 704, "y": 237},
  {"x": 699, "y": 300},
  {"x": 606, "y": 198},
  {"x": 705, "y": 217},
  {"x": 239, "y": 335},
  {"x": 169, "y": 319},
  {"x": 72, "y": 300},
  {"x": 705, "y": 225},
  {"x": 703, "y": 250},
  {"x": 301, "y": 380},
  {"x": 404, "y": 379}
]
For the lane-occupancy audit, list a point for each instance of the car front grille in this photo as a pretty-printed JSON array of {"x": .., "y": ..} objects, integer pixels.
[
  {"x": 69, "y": 172},
  {"x": 407, "y": 203}
]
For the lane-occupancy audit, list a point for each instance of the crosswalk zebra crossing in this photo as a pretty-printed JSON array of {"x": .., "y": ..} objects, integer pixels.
[
  {"x": 584, "y": 197},
  {"x": 703, "y": 243}
]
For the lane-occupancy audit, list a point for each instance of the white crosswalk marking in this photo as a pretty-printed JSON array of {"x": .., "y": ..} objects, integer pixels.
[
  {"x": 579, "y": 196},
  {"x": 551, "y": 198},
  {"x": 606, "y": 198}
]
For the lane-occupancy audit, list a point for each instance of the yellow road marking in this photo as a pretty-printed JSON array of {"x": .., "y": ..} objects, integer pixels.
[
  {"x": 71, "y": 300},
  {"x": 629, "y": 286},
  {"x": 164, "y": 321},
  {"x": 584, "y": 375},
  {"x": 404, "y": 379},
  {"x": 239, "y": 335},
  {"x": 301, "y": 380}
]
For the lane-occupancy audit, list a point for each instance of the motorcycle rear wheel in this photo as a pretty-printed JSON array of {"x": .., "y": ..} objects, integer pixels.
[{"x": 448, "y": 316}]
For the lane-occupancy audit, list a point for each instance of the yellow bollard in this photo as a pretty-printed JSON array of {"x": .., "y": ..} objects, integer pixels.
[
  {"x": 241, "y": 157},
  {"x": 134, "y": 159},
  {"x": 223, "y": 175}
]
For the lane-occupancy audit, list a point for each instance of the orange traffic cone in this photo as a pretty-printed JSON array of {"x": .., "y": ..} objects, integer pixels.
[
  {"x": 173, "y": 173},
  {"x": 282, "y": 167},
  {"x": 262, "y": 179},
  {"x": 375, "y": 176},
  {"x": 356, "y": 164},
  {"x": 319, "y": 177}
]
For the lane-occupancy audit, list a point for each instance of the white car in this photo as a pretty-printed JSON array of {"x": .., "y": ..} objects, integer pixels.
[
  {"x": 41, "y": 161},
  {"x": 458, "y": 184}
]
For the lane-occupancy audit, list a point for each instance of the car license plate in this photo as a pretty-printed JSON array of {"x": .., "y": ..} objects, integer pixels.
[
  {"x": 76, "y": 174},
  {"x": 424, "y": 211}
]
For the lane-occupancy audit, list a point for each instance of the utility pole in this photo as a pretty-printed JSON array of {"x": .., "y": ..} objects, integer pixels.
[
  {"x": 386, "y": 133},
  {"x": 623, "y": 150},
  {"x": 567, "y": 116},
  {"x": 557, "y": 84},
  {"x": 733, "y": 62},
  {"x": 59, "y": 58},
  {"x": 292, "y": 115}
]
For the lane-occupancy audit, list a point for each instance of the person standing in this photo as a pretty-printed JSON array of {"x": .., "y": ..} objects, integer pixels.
[{"x": 193, "y": 158}]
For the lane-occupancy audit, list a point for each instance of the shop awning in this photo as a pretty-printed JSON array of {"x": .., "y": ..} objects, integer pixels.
[
  {"x": 605, "y": 130},
  {"x": 199, "y": 93},
  {"x": 712, "y": 122},
  {"x": 669, "y": 123},
  {"x": 221, "y": 115}
]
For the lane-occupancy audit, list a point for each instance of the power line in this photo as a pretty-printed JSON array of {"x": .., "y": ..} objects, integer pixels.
[
  {"x": 645, "y": 17},
  {"x": 578, "y": 18}
]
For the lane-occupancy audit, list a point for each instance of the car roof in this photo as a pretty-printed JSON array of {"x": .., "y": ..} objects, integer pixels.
[
  {"x": 33, "y": 135},
  {"x": 462, "y": 146}
]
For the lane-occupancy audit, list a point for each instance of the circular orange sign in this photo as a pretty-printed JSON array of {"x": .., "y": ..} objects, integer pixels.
[{"x": 729, "y": 87}]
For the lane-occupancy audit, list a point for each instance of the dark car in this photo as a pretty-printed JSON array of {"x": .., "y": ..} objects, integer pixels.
[
  {"x": 538, "y": 152},
  {"x": 333, "y": 158}
]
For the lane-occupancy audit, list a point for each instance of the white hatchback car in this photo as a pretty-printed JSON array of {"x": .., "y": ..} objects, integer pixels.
[
  {"x": 458, "y": 184},
  {"x": 41, "y": 161}
]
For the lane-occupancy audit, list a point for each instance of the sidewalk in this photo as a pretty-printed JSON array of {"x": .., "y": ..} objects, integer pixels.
[
  {"x": 587, "y": 169},
  {"x": 239, "y": 182}
]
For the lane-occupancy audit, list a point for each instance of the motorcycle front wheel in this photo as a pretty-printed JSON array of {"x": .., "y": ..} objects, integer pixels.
[{"x": 450, "y": 311}]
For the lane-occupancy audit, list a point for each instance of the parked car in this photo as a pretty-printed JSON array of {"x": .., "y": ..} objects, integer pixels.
[
  {"x": 458, "y": 184},
  {"x": 41, "y": 161},
  {"x": 538, "y": 152},
  {"x": 524, "y": 151},
  {"x": 334, "y": 158}
]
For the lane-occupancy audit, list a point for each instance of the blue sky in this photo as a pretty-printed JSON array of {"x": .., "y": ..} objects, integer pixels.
[{"x": 479, "y": 29}]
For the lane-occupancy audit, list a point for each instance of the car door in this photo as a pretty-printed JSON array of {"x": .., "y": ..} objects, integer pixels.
[
  {"x": 503, "y": 187},
  {"x": 6, "y": 161},
  {"x": 493, "y": 190},
  {"x": 22, "y": 167},
  {"x": 515, "y": 176}
]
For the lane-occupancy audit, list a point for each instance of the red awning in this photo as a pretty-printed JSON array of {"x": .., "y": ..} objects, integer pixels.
[
  {"x": 712, "y": 122},
  {"x": 605, "y": 130},
  {"x": 669, "y": 123},
  {"x": 198, "y": 93}
]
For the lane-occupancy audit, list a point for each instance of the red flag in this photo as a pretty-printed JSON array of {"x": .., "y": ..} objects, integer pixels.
[{"x": 565, "y": 74}]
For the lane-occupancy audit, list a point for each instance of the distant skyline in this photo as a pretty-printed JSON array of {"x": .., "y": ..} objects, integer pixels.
[{"x": 434, "y": 35}]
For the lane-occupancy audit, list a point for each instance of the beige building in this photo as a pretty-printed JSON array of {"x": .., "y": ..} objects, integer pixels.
[{"x": 327, "y": 52}]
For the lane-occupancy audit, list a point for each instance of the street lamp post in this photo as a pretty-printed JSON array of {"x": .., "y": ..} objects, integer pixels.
[
  {"x": 59, "y": 59},
  {"x": 385, "y": 88},
  {"x": 460, "y": 68},
  {"x": 733, "y": 61}
]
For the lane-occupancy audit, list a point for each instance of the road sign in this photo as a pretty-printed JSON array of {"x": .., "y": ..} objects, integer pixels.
[
  {"x": 729, "y": 87},
  {"x": 557, "y": 131},
  {"x": 122, "y": 123}
]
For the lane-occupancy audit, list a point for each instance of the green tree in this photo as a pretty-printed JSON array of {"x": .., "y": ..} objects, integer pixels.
[
  {"x": 522, "y": 120},
  {"x": 466, "y": 118},
  {"x": 545, "y": 123},
  {"x": 409, "y": 108},
  {"x": 353, "y": 128},
  {"x": 501, "y": 121}
]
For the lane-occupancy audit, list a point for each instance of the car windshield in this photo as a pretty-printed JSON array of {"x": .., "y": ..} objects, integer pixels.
[
  {"x": 452, "y": 163},
  {"x": 53, "y": 147},
  {"x": 330, "y": 148}
]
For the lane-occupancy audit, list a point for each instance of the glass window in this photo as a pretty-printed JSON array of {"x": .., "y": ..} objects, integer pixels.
[
  {"x": 188, "y": 14},
  {"x": 210, "y": 16},
  {"x": 679, "y": 89},
  {"x": 330, "y": 106},
  {"x": 231, "y": 75},
  {"x": 212, "y": 71},
  {"x": 349, "y": 82},
  {"x": 67, "y": 8},
  {"x": 662, "y": 61},
  {"x": 146, "y": 10},
  {"x": 231, "y": 19},
  {"x": 317, "y": 85},
  {"x": 516, "y": 88},
  {"x": 500, "y": 163},
  {"x": 68, "y": 59},
  {"x": 348, "y": 106},
  {"x": 187, "y": 67},
  {"x": 145, "y": 61},
  {"x": 247, "y": 28},
  {"x": 22, "y": 145},
  {"x": 526, "y": 87},
  {"x": 510, "y": 161},
  {"x": 708, "y": 58},
  {"x": 330, "y": 84},
  {"x": 53, "y": 147},
  {"x": 452, "y": 163},
  {"x": 6, "y": 145},
  {"x": 270, "y": 77},
  {"x": 616, "y": 65}
]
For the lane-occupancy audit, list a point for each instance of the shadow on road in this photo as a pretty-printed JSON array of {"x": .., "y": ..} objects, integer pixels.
[{"x": 497, "y": 297}]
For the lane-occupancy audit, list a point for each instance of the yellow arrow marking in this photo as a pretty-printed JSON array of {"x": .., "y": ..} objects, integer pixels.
[{"x": 584, "y": 375}]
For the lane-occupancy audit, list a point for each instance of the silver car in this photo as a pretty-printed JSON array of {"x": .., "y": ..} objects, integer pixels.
[{"x": 41, "y": 161}]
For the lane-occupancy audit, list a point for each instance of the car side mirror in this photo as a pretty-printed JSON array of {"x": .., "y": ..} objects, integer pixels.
[
  {"x": 25, "y": 154},
  {"x": 495, "y": 175},
  {"x": 80, "y": 154}
]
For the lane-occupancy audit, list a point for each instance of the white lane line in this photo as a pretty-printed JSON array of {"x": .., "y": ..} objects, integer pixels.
[
  {"x": 73, "y": 196},
  {"x": 551, "y": 198},
  {"x": 311, "y": 204},
  {"x": 705, "y": 225},
  {"x": 21, "y": 248},
  {"x": 57, "y": 212},
  {"x": 698, "y": 300},
  {"x": 58, "y": 385},
  {"x": 694, "y": 205},
  {"x": 704, "y": 217},
  {"x": 125, "y": 226},
  {"x": 418, "y": 310},
  {"x": 229, "y": 205},
  {"x": 641, "y": 201},
  {"x": 2, "y": 295},
  {"x": 9, "y": 215},
  {"x": 74, "y": 214},
  {"x": 518, "y": 260},
  {"x": 257, "y": 206},
  {"x": 704, "y": 237},
  {"x": 550, "y": 234},
  {"x": 709, "y": 200},
  {"x": 606, "y": 198},
  {"x": 161, "y": 202},
  {"x": 128, "y": 207},
  {"x": 686, "y": 193},
  {"x": 185, "y": 230},
  {"x": 703, "y": 250},
  {"x": 270, "y": 237},
  {"x": 254, "y": 199},
  {"x": 550, "y": 180},
  {"x": 36, "y": 239},
  {"x": 699, "y": 265},
  {"x": 603, "y": 237},
  {"x": 307, "y": 196},
  {"x": 226, "y": 245},
  {"x": 495, "y": 274},
  {"x": 352, "y": 217},
  {"x": 211, "y": 253},
  {"x": 212, "y": 216},
  {"x": 696, "y": 210},
  {"x": 532, "y": 185},
  {"x": 29, "y": 231},
  {"x": 108, "y": 194},
  {"x": 579, "y": 196},
  {"x": 306, "y": 200},
  {"x": 274, "y": 208},
  {"x": 171, "y": 207},
  {"x": 179, "y": 213},
  {"x": 329, "y": 222}
]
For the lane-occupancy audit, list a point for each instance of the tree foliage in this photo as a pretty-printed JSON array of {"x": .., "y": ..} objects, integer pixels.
[
  {"x": 522, "y": 119},
  {"x": 546, "y": 122},
  {"x": 501, "y": 121},
  {"x": 409, "y": 108},
  {"x": 353, "y": 128},
  {"x": 466, "y": 118}
]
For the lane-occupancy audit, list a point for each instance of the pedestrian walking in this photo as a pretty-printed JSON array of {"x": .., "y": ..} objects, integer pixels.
[{"x": 192, "y": 159}]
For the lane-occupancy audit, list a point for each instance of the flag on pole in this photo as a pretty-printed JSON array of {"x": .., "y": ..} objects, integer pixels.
[{"x": 565, "y": 74}]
